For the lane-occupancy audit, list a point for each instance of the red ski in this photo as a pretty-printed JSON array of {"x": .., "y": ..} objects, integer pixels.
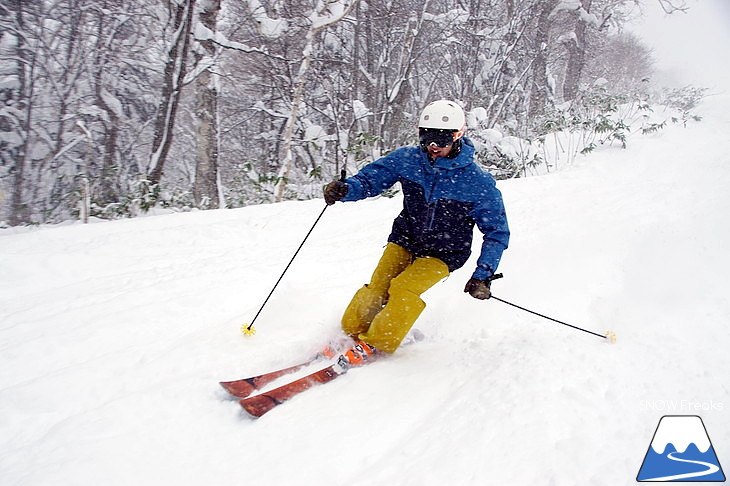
[
  {"x": 246, "y": 386},
  {"x": 258, "y": 405}
]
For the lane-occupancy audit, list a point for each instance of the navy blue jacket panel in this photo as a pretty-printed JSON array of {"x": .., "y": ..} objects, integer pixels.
[{"x": 442, "y": 201}]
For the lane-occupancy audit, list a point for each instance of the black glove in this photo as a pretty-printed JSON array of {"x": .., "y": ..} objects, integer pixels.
[
  {"x": 479, "y": 289},
  {"x": 334, "y": 191}
]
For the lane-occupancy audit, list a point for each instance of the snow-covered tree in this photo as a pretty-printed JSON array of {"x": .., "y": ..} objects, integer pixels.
[
  {"x": 181, "y": 24},
  {"x": 205, "y": 188},
  {"x": 109, "y": 108}
]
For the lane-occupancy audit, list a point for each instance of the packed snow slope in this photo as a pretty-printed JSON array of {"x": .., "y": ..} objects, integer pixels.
[{"x": 113, "y": 337}]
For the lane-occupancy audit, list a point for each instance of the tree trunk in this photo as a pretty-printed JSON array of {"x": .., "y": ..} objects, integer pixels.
[
  {"x": 205, "y": 188},
  {"x": 172, "y": 85},
  {"x": 22, "y": 104},
  {"x": 576, "y": 57},
  {"x": 540, "y": 87},
  {"x": 287, "y": 163},
  {"x": 108, "y": 185}
]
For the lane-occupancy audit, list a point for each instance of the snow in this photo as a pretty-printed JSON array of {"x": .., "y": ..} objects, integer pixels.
[
  {"x": 202, "y": 33},
  {"x": 360, "y": 109},
  {"x": 114, "y": 335},
  {"x": 327, "y": 13},
  {"x": 112, "y": 102},
  {"x": 9, "y": 81},
  {"x": 575, "y": 6},
  {"x": 457, "y": 15},
  {"x": 314, "y": 132},
  {"x": 568, "y": 37},
  {"x": 267, "y": 26}
]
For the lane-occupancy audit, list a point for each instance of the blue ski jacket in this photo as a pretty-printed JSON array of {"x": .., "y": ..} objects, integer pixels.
[{"x": 442, "y": 201}]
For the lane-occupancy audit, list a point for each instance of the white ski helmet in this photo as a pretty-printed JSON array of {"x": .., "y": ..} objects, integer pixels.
[{"x": 444, "y": 115}]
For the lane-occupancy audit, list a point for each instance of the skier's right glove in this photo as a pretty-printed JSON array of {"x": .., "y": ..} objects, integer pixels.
[
  {"x": 479, "y": 289},
  {"x": 334, "y": 191}
]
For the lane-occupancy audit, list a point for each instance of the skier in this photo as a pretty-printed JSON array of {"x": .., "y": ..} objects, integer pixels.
[{"x": 445, "y": 193}]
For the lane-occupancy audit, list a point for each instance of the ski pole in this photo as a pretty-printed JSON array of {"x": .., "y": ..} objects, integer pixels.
[
  {"x": 248, "y": 330},
  {"x": 610, "y": 336}
]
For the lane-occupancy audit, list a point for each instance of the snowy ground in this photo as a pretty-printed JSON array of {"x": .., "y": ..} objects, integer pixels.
[{"x": 113, "y": 337}]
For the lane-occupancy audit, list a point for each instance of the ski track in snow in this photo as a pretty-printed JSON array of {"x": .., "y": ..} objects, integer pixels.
[
  {"x": 711, "y": 469},
  {"x": 113, "y": 337}
]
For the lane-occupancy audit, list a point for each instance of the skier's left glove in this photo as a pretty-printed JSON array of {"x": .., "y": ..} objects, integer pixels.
[
  {"x": 479, "y": 289},
  {"x": 334, "y": 191}
]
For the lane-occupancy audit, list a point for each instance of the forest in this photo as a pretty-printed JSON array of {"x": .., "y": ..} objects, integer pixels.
[{"x": 109, "y": 109}]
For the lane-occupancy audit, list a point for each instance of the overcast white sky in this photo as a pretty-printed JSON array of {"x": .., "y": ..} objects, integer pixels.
[{"x": 693, "y": 47}]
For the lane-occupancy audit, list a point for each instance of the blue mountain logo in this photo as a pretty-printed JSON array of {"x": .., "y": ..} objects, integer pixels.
[{"x": 681, "y": 451}]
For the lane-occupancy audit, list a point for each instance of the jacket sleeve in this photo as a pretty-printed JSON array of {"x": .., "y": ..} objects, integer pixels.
[
  {"x": 374, "y": 178},
  {"x": 491, "y": 219}
]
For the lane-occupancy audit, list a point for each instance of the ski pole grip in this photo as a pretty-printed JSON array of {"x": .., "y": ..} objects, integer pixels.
[
  {"x": 495, "y": 277},
  {"x": 343, "y": 175}
]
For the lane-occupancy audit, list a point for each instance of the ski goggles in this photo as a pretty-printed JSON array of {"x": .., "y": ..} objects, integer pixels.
[{"x": 439, "y": 136}]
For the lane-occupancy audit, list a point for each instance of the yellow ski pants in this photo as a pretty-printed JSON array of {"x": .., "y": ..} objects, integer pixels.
[{"x": 382, "y": 312}]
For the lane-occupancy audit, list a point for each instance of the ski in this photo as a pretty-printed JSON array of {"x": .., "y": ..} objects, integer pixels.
[
  {"x": 262, "y": 403},
  {"x": 258, "y": 405},
  {"x": 246, "y": 386},
  {"x": 358, "y": 355}
]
